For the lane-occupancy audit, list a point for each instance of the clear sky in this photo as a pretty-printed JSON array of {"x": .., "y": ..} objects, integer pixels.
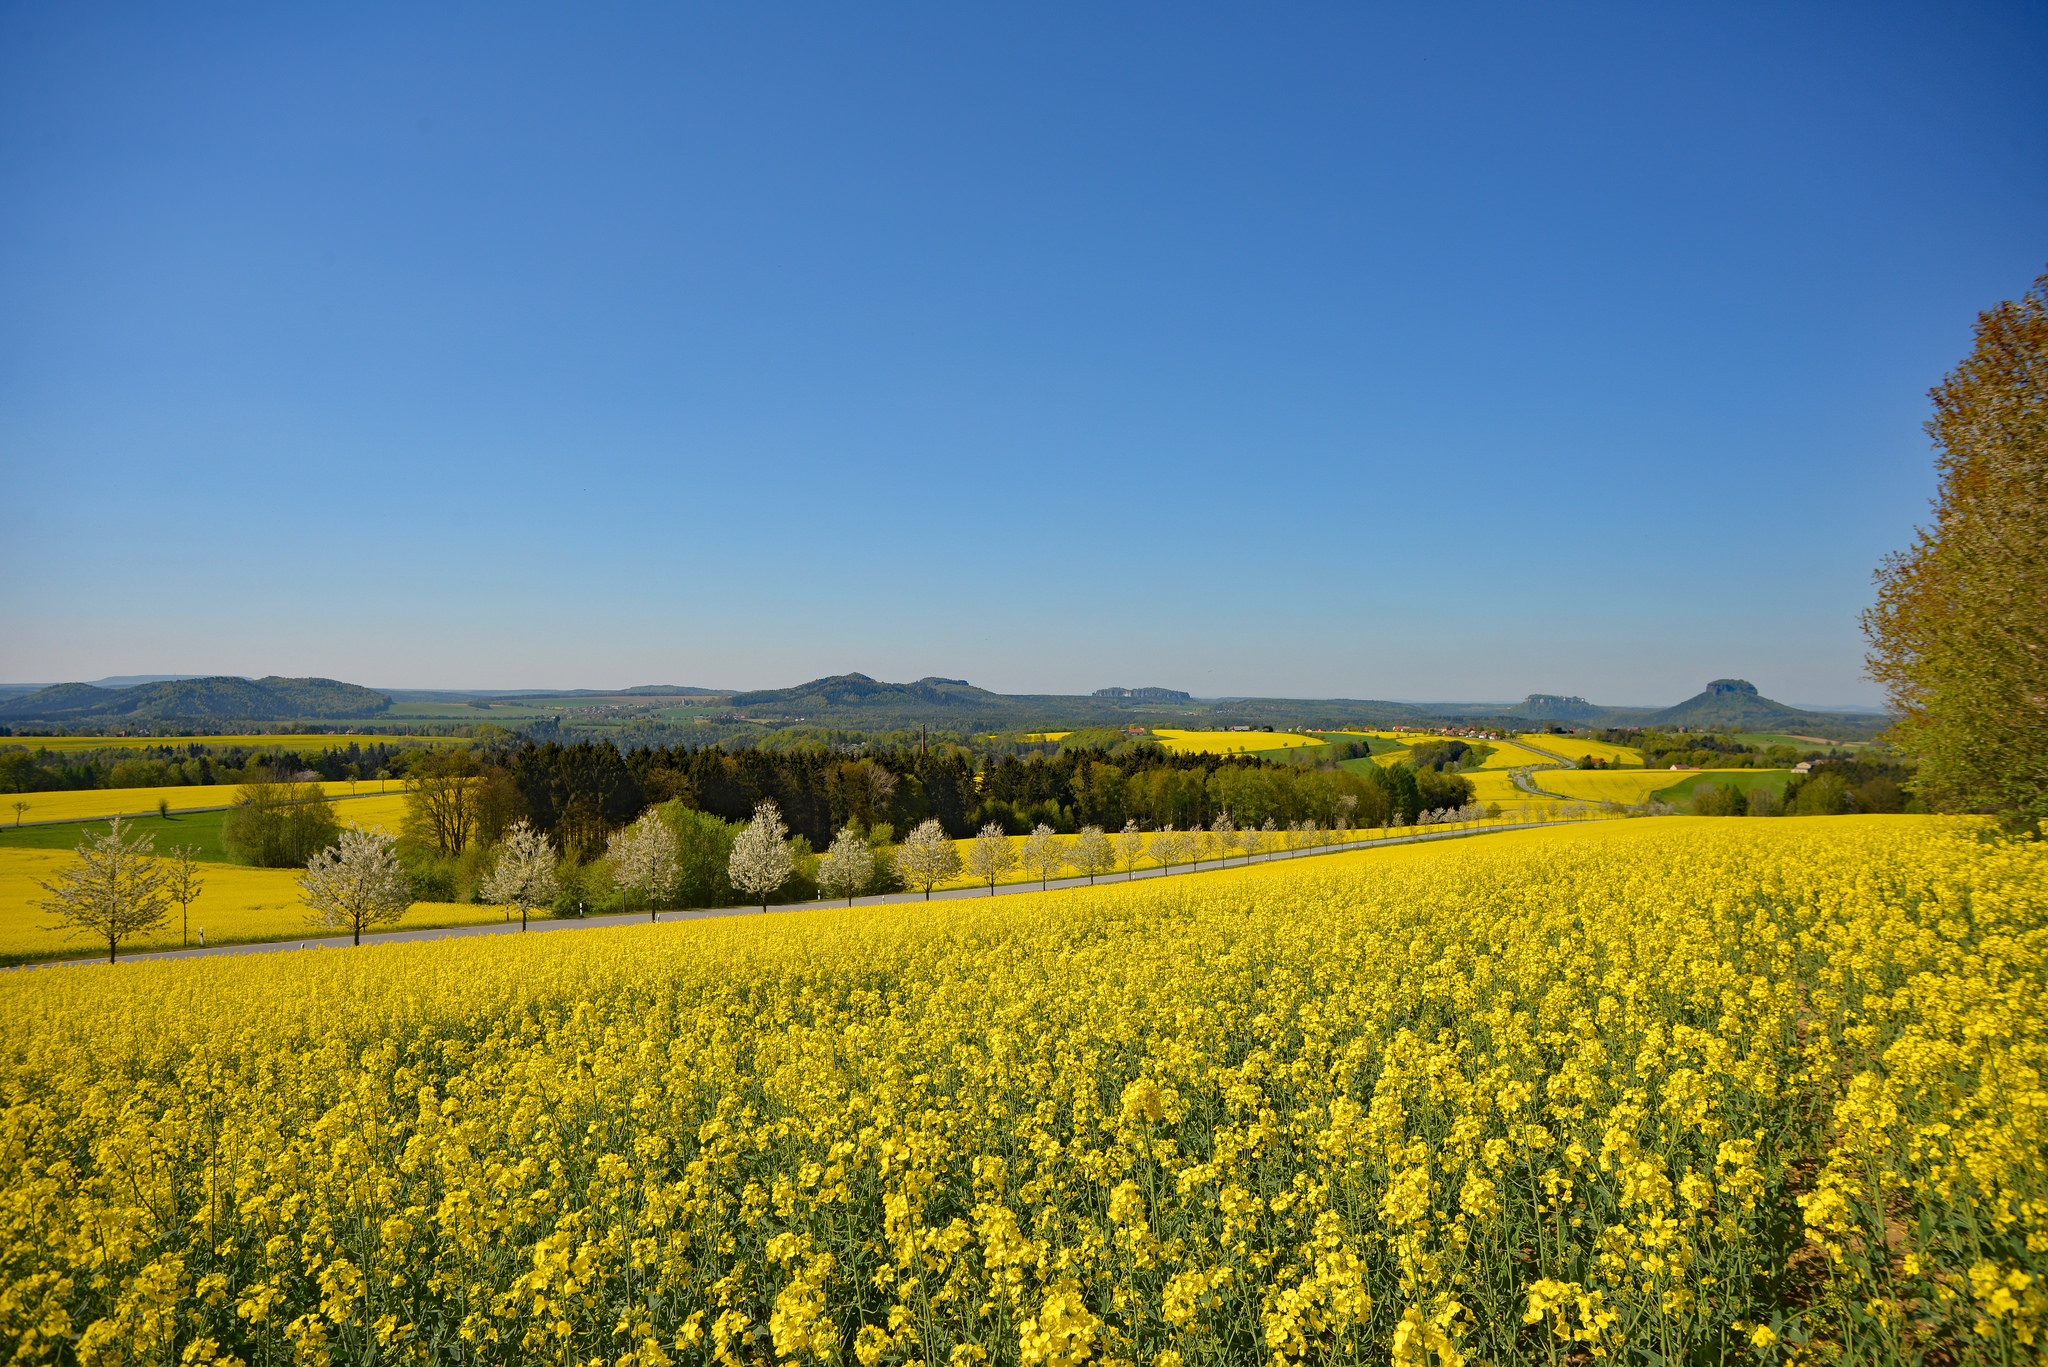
[{"x": 1447, "y": 352}]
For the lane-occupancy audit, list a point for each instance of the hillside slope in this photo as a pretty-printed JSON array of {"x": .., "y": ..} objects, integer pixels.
[
  {"x": 1734, "y": 705},
  {"x": 219, "y": 698}
]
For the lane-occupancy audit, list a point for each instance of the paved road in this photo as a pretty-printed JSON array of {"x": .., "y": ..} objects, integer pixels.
[{"x": 668, "y": 917}]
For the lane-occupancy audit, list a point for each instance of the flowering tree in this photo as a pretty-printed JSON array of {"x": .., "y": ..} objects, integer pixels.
[
  {"x": 991, "y": 856},
  {"x": 1042, "y": 854},
  {"x": 761, "y": 861},
  {"x": 646, "y": 860},
  {"x": 927, "y": 856},
  {"x": 356, "y": 883},
  {"x": 524, "y": 875},
  {"x": 847, "y": 867},
  {"x": 1130, "y": 847},
  {"x": 115, "y": 890},
  {"x": 1092, "y": 852},
  {"x": 1168, "y": 848},
  {"x": 1221, "y": 838}
]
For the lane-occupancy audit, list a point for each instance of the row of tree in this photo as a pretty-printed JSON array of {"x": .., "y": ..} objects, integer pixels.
[{"x": 192, "y": 763}]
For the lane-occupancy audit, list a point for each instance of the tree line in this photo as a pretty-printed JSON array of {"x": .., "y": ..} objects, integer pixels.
[{"x": 191, "y": 763}]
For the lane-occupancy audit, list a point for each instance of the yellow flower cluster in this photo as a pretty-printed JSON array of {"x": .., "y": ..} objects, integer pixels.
[{"x": 1703, "y": 1090}]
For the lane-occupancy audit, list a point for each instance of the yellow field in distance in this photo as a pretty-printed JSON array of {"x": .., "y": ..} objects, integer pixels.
[
  {"x": 296, "y": 743},
  {"x": 1508, "y": 755},
  {"x": 1043, "y": 737},
  {"x": 237, "y": 904},
  {"x": 1230, "y": 742},
  {"x": 1627, "y": 786},
  {"x": 1571, "y": 747},
  {"x": 96, "y": 804},
  {"x": 1498, "y": 785}
]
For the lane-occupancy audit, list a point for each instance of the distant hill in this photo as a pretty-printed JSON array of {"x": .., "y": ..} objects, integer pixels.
[
  {"x": 1734, "y": 705},
  {"x": 1557, "y": 707},
  {"x": 210, "y": 699},
  {"x": 927, "y": 696}
]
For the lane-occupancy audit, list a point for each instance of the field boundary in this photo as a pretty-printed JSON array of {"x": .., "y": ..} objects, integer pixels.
[{"x": 709, "y": 913}]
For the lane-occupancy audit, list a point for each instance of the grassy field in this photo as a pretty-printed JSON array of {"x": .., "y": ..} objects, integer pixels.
[
  {"x": 88, "y": 804},
  {"x": 1801, "y": 743},
  {"x": 298, "y": 744},
  {"x": 198, "y": 830},
  {"x": 1231, "y": 742},
  {"x": 1625, "y": 786},
  {"x": 1634, "y": 1091},
  {"x": 1744, "y": 779}
]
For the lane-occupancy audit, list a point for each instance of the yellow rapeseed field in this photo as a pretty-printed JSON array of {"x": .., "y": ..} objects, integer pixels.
[
  {"x": 1571, "y": 747},
  {"x": 93, "y": 804},
  {"x": 1508, "y": 755},
  {"x": 1625, "y": 786},
  {"x": 1498, "y": 785},
  {"x": 1657, "y": 1091},
  {"x": 1229, "y": 742},
  {"x": 236, "y": 904}
]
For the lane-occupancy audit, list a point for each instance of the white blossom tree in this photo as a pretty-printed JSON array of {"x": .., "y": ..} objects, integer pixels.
[
  {"x": 991, "y": 856},
  {"x": 1042, "y": 854},
  {"x": 1222, "y": 838},
  {"x": 761, "y": 860},
  {"x": 1092, "y": 852},
  {"x": 848, "y": 867},
  {"x": 1166, "y": 848},
  {"x": 927, "y": 856},
  {"x": 116, "y": 889},
  {"x": 524, "y": 875},
  {"x": 647, "y": 860},
  {"x": 356, "y": 883},
  {"x": 1130, "y": 847}
]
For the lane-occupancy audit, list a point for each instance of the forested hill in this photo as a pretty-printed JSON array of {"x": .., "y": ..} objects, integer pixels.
[
  {"x": 222, "y": 698},
  {"x": 1735, "y": 705},
  {"x": 955, "y": 697}
]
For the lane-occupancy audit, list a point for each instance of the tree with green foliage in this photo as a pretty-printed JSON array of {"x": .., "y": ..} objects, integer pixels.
[
  {"x": 278, "y": 823},
  {"x": 1959, "y": 632}
]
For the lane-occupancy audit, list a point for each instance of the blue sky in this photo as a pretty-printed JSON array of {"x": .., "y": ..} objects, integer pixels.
[{"x": 1448, "y": 352}]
